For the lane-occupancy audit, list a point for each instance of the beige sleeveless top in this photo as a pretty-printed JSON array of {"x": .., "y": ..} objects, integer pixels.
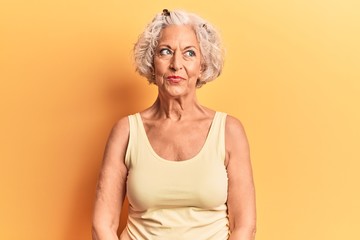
[{"x": 171, "y": 200}]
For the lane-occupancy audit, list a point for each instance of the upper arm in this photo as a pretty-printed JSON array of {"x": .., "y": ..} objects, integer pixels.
[
  {"x": 241, "y": 192},
  {"x": 111, "y": 185}
]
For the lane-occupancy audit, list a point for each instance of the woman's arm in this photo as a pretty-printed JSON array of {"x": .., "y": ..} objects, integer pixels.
[
  {"x": 241, "y": 192},
  {"x": 111, "y": 186}
]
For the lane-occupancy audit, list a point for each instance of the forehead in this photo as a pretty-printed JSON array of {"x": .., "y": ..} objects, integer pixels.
[{"x": 178, "y": 35}]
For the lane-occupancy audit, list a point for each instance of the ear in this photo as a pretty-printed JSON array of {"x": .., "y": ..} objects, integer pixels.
[{"x": 202, "y": 67}]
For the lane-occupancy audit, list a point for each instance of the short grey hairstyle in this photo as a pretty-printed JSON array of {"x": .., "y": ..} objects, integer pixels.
[{"x": 208, "y": 37}]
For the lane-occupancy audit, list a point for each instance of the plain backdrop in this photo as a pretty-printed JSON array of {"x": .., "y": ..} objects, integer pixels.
[{"x": 291, "y": 76}]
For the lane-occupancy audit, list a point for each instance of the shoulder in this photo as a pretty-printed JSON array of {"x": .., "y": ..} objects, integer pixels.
[
  {"x": 120, "y": 130},
  {"x": 234, "y": 126},
  {"x": 122, "y": 125},
  {"x": 235, "y": 135}
]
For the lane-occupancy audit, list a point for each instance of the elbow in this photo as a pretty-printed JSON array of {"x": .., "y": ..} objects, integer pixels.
[
  {"x": 250, "y": 230},
  {"x": 100, "y": 232},
  {"x": 103, "y": 227},
  {"x": 95, "y": 233},
  {"x": 245, "y": 231}
]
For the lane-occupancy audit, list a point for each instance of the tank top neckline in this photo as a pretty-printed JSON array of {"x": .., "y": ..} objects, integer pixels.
[{"x": 185, "y": 161}]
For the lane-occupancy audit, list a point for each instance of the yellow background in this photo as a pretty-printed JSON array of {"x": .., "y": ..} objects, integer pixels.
[{"x": 291, "y": 75}]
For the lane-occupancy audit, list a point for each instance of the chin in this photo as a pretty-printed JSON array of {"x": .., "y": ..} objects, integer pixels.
[{"x": 177, "y": 90}]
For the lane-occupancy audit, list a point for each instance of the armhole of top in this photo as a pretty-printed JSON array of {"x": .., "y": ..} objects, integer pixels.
[
  {"x": 222, "y": 136},
  {"x": 129, "y": 145}
]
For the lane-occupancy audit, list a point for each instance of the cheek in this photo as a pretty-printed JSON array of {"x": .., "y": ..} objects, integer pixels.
[
  {"x": 160, "y": 67},
  {"x": 195, "y": 69}
]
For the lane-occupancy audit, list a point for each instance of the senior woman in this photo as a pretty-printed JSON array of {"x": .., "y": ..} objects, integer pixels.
[{"x": 185, "y": 168}]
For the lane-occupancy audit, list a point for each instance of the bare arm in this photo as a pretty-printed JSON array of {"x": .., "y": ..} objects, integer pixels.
[
  {"x": 111, "y": 186},
  {"x": 241, "y": 192}
]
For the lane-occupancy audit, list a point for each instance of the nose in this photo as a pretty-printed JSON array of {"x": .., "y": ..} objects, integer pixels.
[{"x": 176, "y": 62}]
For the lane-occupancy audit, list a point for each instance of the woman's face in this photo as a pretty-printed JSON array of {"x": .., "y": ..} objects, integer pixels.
[{"x": 177, "y": 61}]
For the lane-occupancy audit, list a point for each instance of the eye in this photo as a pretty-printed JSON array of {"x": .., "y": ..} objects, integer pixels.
[
  {"x": 190, "y": 53},
  {"x": 165, "y": 52}
]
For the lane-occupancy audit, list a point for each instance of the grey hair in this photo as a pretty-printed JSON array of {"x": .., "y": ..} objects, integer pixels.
[{"x": 208, "y": 37}]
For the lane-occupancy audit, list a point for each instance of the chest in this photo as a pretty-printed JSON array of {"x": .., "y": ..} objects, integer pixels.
[
  {"x": 198, "y": 182},
  {"x": 198, "y": 179},
  {"x": 177, "y": 142}
]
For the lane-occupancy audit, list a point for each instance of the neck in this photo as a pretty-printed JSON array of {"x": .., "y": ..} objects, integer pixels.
[{"x": 176, "y": 108}]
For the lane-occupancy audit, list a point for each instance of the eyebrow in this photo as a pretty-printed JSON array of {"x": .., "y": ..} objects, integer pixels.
[
  {"x": 190, "y": 47},
  {"x": 164, "y": 45},
  {"x": 168, "y": 46}
]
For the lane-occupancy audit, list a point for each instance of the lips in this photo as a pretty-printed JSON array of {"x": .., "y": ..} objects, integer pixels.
[{"x": 174, "y": 79}]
